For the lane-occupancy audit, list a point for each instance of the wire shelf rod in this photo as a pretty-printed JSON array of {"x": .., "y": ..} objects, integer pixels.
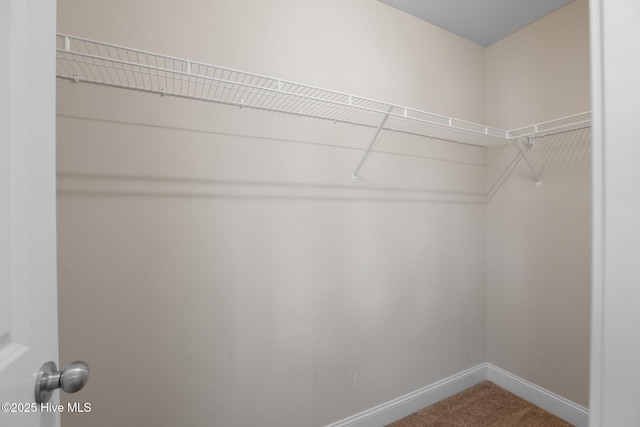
[
  {"x": 572, "y": 122},
  {"x": 280, "y": 82},
  {"x": 119, "y": 66},
  {"x": 101, "y": 63},
  {"x": 561, "y": 131},
  {"x": 224, "y": 69},
  {"x": 185, "y": 77},
  {"x": 138, "y": 68},
  {"x": 96, "y": 62}
]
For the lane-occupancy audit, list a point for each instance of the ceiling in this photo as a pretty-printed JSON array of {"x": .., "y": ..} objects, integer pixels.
[{"x": 481, "y": 21}]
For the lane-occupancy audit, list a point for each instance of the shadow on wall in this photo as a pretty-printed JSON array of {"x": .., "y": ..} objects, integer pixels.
[{"x": 551, "y": 154}]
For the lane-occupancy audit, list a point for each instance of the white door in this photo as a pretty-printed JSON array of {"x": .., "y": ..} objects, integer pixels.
[{"x": 28, "y": 305}]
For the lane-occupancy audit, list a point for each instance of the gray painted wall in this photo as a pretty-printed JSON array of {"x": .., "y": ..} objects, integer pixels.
[
  {"x": 224, "y": 255},
  {"x": 226, "y": 251}
]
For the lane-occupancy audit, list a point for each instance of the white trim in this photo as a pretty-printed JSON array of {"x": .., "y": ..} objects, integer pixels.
[
  {"x": 596, "y": 373},
  {"x": 400, "y": 407},
  {"x": 409, "y": 403},
  {"x": 547, "y": 400}
]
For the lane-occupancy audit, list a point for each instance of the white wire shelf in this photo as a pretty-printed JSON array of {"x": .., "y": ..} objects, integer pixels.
[
  {"x": 84, "y": 60},
  {"x": 552, "y": 127}
]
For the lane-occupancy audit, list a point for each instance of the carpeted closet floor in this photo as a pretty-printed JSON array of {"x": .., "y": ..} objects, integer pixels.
[{"x": 483, "y": 405}]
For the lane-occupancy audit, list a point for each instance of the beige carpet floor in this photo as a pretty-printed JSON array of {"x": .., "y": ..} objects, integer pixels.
[{"x": 483, "y": 405}]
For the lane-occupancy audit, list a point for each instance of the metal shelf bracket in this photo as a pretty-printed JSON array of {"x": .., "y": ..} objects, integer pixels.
[
  {"x": 354, "y": 177},
  {"x": 530, "y": 143}
]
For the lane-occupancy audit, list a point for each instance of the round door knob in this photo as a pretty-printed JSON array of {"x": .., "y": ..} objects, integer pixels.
[
  {"x": 71, "y": 379},
  {"x": 74, "y": 377}
]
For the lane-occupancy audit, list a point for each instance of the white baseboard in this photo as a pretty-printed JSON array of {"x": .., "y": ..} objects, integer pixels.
[
  {"x": 409, "y": 403},
  {"x": 549, "y": 401},
  {"x": 402, "y": 406}
]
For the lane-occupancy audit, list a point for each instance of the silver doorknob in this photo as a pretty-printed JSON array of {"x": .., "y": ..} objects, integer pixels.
[{"x": 70, "y": 379}]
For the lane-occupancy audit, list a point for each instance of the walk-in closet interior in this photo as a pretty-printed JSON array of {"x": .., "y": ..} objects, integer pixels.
[{"x": 323, "y": 212}]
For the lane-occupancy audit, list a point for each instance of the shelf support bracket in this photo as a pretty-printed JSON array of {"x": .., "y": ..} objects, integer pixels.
[
  {"x": 354, "y": 177},
  {"x": 531, "y": 142}
]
